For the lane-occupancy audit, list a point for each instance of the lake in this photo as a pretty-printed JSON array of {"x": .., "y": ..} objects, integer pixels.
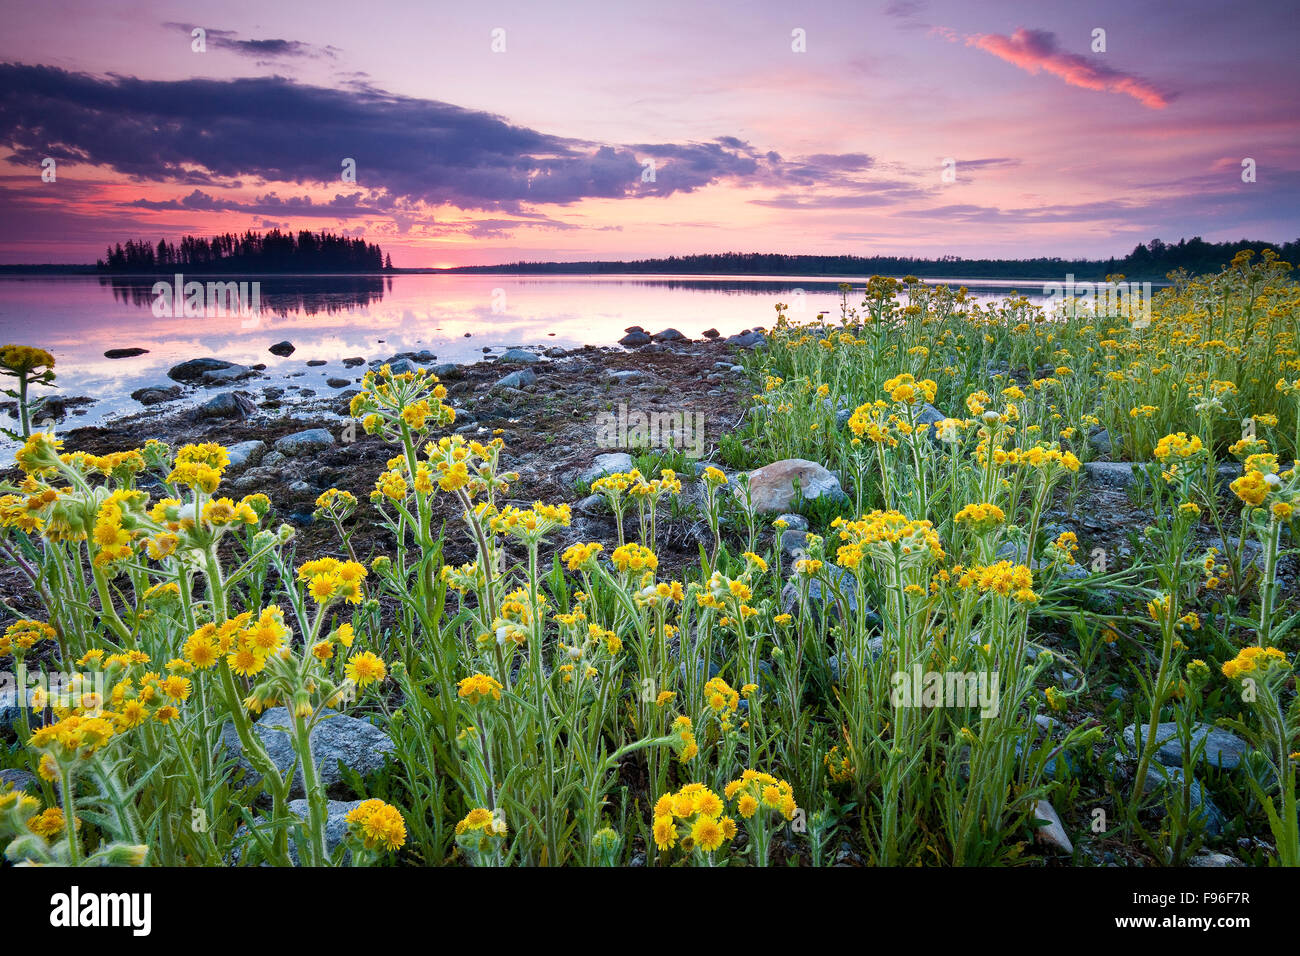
[{"x": 330, "y": 318}]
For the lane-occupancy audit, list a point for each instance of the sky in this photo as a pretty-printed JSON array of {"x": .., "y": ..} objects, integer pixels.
[{"x": 492, "y": 132}]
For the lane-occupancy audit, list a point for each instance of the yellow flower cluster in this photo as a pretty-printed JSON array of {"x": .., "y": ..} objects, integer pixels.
[
  {"x": 1003, "y": 578},
  {"x": 378, "y": 825},
  {"x": 981, "y": 517},
  {"x": 329, "y": 579},
  {"x": 1251, "y": 660},
  {"x": 694, "y": 816},
  {"x": 756, "y": 790}
]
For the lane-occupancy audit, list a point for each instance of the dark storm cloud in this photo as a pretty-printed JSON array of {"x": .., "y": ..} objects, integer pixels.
[
  {"x": 209, "y": 132},
  {"x": 258, "y": 49}
]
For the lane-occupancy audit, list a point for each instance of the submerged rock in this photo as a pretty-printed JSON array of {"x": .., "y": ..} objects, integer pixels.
[
  {"x": 194, "y": 370},
  {"x": 156, "y": 394},
  {"x": 125, "y": 353}
]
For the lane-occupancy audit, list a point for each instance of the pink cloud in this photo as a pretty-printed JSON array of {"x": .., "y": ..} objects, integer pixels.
[{"x": 1034, "y": 50}]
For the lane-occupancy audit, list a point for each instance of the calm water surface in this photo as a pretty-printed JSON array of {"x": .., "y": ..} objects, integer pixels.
[{"x": 78, "y": 318}]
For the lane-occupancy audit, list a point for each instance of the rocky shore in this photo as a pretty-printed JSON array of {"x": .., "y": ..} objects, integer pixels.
[{"x": 291, "y": 443}]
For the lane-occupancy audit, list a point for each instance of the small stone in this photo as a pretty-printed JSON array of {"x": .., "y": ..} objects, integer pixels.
[
  {"x": 19, "y": 780},
  {"x": 633, "y": 339},
  {"x": 1209, "y": 858},
  {"x": 668, "y": 335},
  {"x": 353, "y": 361},
  {"x": 282, "y": 349},
  {"x": 316, "y": 363},
  {"x": 630, "y": 375},
  {"x": 711, "y": 333},
  {"x": 125, "y": 353},
  {"x": 607, "y": 464},
  {"x": 156, "y": 394},
  {"x": 1051, "y": 833},
  {"x": 402, "y": 366},
  {"x": 245, "y": 453},
  {"x": 447, "y": 370},
  {"x": 304, "y": 442},
  {"x": 519, "y": 355},
  {"x": 228, "y": 405},
  {"x": 520, "y": 379},
  {"x": 334, "y": 382},
  {"x": 747, "y": 340},
  {"x": 794, "y": 521}
]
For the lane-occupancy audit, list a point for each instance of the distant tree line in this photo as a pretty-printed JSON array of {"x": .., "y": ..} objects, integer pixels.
[
  {"x": 273, "y": 251},
  {"x": 1152, "y": 260}
]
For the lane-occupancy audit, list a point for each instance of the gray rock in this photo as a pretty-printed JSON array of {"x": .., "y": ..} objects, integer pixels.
[
  {"x": 448, "y": 370},
  {"x": 520, "y": 379},
  {"x": 1113, "y": 474},
  {"x": 1009, "y": 551},
  {"x": 633, "y": 339},
  {"x": 519, "y": 355},
  {"x": 1222, "y": 749},
  {"x": 607, "y": 464},
  {"x": 335, "y": 740},
  {"x": 796, "y": 522},
  {"x": 631, "y": 375},
  {"x": 336, "y": 828},
  {"x": 1160, "y": 776},
  {"x": 1051, "y": 833},
  {"x": 228, "y": 405},
  {"x": 593, "y": 505},
  {"x": 156, "y": 394},
  {"x": 353, "y": 361},
  {"x": 710, "y": 333},
  {"x": 819, "y": 596},
  {"x": 747, "y": 339},
  {"x": 245, "y": 453},
  {"x": 1208, "y": 858},
  {"x": 223, "y": 376},
  {"x": 772, "y": 487},
  {"x": 125, "y": 353},
  {"x": 402, "y": 366},
  {"x": 1100, "y": 439},
  {"x": 793, "y": 542},
  {"x": 194, "y": 369},
  {"x": 304, "y": 442},
  {"x": 668, "y": 335},
  {"x": 335, "y": 382},
  {"x": 316, "y": 363},
  {"x": 282, "y": 349},
  {"x": 19, "y": 780}
]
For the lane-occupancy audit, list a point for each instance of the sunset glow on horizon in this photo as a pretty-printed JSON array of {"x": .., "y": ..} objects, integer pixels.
[{"x": 577, "y": 131}]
